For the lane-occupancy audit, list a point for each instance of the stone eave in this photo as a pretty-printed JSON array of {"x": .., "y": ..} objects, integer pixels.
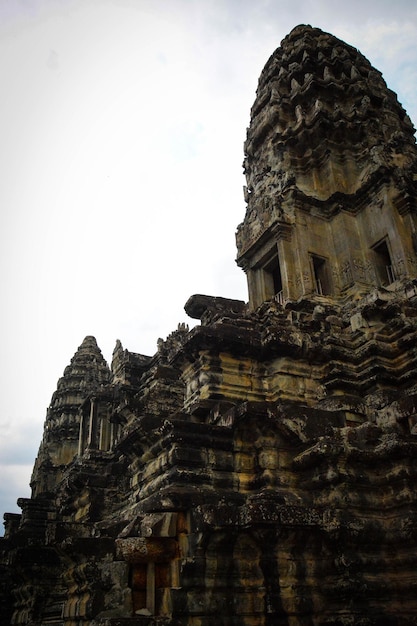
[
  {"x": 262, "y": 511},
  {"x": 241, "y": 341},
  {"x": 197, "y": 305},
  {"x": 277, "y": 228}
]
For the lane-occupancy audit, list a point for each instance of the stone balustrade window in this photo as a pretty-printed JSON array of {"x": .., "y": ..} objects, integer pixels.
[
  {"x": 384, "y": 267},
  {"x": 272, "y": 278},
  {"x": 321, "y": 277}
]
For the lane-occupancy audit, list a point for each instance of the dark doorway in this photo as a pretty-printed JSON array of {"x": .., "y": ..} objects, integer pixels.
[
  {"x": 384, "y": 268},
  {"x": 322, "y": 285},
  {"x": 273, "y": 280}
]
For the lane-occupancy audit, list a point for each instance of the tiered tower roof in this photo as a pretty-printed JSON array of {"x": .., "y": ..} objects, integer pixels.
[{"x": 86, "y": 373}]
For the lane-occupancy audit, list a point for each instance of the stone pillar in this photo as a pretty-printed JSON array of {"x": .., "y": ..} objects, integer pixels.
[
  {"x": 150, "y": 587},
  {"x": 93, "y": 426},
  {"x": 83, "y": 433}
]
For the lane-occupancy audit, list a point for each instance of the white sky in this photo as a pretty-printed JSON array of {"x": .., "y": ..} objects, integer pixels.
[{"x": 122, "y": 125}]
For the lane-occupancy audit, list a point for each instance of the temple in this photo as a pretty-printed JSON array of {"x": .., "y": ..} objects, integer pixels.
[{"x": 261, "y": 468}]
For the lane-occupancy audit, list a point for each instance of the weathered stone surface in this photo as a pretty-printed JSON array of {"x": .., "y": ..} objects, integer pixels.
[{"x": 261, "y": 468}]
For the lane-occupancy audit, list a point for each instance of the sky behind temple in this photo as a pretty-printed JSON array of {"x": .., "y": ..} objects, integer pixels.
[{"x": 122, "y": 128}]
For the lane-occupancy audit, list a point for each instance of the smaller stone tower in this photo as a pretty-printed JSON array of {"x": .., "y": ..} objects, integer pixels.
[{"x": 87, "y": 372}]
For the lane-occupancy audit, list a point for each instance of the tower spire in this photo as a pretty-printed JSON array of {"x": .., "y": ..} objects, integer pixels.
[{"x": 86, "y": 372}]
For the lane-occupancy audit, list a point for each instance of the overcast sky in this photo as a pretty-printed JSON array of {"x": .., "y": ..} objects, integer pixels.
[{"x": 122, "y": 128}]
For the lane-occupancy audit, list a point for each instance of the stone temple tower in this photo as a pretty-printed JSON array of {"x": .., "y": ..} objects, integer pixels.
[
  {"x": 330, "y": 156},
  {"x": 87, "y": 372},
  {"x": 260, "y": 469}
]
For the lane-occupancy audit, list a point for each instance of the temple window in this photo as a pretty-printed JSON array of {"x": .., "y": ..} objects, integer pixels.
[
  {"x": 96, "y": 430},
  {"x": 384, "y": 267},
  {"x": 150, "y": 583},
  {"x": 321, "y": 278},
  {"x": 273, "y": 280}
]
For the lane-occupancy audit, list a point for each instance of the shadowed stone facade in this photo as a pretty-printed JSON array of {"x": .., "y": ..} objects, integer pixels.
[{"x": 260, "y": 469}]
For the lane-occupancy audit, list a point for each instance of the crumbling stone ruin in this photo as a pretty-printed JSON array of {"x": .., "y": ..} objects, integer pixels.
[{"x": 261, "y": 468}]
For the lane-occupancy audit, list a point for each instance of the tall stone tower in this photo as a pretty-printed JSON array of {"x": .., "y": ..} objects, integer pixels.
[
  {"x": 330, "y": 159},
  {"x": 260, "y": 469}
]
